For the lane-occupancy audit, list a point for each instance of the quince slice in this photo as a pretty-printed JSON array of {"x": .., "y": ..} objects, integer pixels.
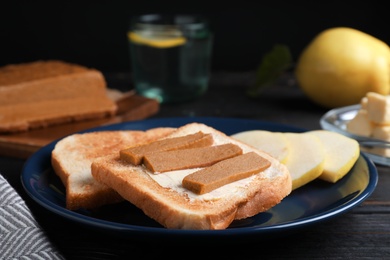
[
  {"x": 307, "y": 158},
  {"x": 341, "y": 153},
  {"x": 273, "y": 143}
]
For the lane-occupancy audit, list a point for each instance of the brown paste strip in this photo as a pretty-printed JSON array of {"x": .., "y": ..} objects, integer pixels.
[
  {"x": 135, "y": 155},
  {"x": 190, "y": 158},
  {"x": 225, "y": 172}
]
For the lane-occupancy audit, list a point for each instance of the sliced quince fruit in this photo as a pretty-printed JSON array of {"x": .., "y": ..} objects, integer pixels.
[
  {"x": 273, "y": 143},
  {"x": 306, "y": 159},
  {"x": 341, "y": 153}
]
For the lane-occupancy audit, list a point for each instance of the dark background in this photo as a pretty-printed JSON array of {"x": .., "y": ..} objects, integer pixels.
[{"x": 93, "y": 33}]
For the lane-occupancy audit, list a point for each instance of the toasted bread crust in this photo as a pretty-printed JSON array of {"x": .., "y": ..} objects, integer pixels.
[
  {"x": 72, "y": 157},
  {"x": 176, "y": 209}
]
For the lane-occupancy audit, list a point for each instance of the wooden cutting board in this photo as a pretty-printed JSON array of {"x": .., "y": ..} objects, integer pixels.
[{"x": 21, "y": 145}]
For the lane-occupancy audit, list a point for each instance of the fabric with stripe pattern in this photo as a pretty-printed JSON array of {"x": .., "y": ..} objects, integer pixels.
[{"x": 21, "y": 237}]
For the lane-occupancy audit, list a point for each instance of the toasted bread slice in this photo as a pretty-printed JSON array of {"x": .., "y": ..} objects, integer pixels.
[
  {"x": 163, "y": 198},
  {"x": 72, "y": 157}
]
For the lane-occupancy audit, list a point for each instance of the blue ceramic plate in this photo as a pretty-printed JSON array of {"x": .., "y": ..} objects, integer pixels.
[{"x": 308, "y": 205}]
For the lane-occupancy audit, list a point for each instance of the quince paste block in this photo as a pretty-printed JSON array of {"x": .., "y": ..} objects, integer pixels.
[
  {"x": 363, "y": 103},
  {"x": 378, "y": 108},
  {"x": 381, "y": 132},
  {"x": 360, "y": 124}
]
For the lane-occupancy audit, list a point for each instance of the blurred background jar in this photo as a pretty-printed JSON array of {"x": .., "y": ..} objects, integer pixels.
[{"x": 170, "y": 56}]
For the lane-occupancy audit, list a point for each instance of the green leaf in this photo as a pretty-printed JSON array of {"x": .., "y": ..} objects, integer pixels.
[{"x": 272, "y": 65}]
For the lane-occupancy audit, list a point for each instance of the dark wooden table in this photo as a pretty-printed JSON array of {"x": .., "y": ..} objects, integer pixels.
[{"x": 361, "y": 233}]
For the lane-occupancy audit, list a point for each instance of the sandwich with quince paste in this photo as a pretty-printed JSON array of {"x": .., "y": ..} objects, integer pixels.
[{"x": 195, "y": 178}]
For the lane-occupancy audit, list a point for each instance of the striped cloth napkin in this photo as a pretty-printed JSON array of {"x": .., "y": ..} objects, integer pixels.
[{"x": 21, "y": 237}]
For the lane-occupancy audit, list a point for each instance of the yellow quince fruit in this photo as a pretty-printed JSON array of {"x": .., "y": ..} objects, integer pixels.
[{"x": 340, "y": 65}]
